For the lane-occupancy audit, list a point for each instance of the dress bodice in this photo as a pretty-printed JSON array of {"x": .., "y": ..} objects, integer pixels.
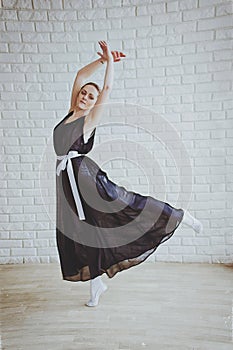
[{"x": 69, "y": 137}]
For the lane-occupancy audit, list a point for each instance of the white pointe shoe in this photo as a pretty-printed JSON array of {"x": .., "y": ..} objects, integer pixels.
[
  {"x": 197, "y": 226},
  {"x": 97, "y": 288},
  {"x": 193, "y": 222}
]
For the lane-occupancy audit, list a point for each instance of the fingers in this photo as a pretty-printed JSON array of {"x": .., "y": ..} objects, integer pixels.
[
  {"x": 117, "y": 55},
  {"x": 114, "y": 54},
  {"x": 102, "y": 42}
]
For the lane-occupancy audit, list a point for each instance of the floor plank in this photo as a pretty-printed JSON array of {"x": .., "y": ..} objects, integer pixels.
[{"x": 168, "y": 306}]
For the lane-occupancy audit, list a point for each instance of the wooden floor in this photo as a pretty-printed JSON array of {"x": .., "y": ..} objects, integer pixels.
[{"x": 150, "y": 306}]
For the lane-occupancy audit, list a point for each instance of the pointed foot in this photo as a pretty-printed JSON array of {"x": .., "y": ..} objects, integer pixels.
[
  {"x": 95, "y": 299},
  {"x": 197, "y": 226}
]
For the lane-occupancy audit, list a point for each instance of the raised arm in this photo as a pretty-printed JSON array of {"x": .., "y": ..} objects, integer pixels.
[
  {"x": 80, "y": 78},
  {"x": 89, "y": 69},
  {"x": 97, "y": 110}
]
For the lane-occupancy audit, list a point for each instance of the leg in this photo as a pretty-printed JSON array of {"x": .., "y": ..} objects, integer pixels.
[
  {"x": 97, "y": 287},
  {"x": 190, "y": 220}
]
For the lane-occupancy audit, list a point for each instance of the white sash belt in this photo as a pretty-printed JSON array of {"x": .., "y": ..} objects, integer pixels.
[{"x": 66, "y": 162}]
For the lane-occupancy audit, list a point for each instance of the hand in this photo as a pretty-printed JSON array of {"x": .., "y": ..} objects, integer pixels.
[
  {"x": 106, "y": 55},
  {"x": 117, "y": 55}
]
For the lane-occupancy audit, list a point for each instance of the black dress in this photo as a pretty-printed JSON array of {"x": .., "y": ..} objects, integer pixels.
[{"x": 121, "y": 228}]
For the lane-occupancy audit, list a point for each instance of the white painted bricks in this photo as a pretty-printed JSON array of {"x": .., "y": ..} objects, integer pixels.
[{"x": 179, "y": 63}]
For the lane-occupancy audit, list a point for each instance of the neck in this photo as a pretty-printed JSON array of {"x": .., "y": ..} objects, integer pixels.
[{"x": 80, "y": 112}]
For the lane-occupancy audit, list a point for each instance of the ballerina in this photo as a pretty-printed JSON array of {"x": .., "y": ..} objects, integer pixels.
[{"x": 80, "y": 262}]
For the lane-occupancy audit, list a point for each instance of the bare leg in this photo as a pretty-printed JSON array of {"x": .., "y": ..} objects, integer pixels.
[
  {"x": 191, "y": 221},
  {"x": 97, "y": 287}
]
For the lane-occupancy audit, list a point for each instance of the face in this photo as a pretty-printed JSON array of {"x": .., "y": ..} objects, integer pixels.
[{"x": 87, "y": 97}]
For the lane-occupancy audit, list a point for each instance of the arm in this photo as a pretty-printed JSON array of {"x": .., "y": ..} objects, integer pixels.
[
  {"x": 83, "y": 74},
  {"x": 109, "y": 75},
  {"x": 98, "y": 108},
  {"x": 89, "y": 69}
]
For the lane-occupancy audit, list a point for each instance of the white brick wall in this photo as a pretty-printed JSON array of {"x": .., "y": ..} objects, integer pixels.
[{"x": 179, "y": 64}]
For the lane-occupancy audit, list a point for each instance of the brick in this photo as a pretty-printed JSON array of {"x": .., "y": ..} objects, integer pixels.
[
  {"x": 38, "y": 58},
  {"x": 218, "y": 66},
  {"x": 202, "y": 106},
  {"x": 188, "y": 4},
  {"x": 120, "y": 12},
  {"x": 167, "y": 81},
  {"x": 212, "y": 46},
  {"x": 198, "y": 57},
  {"x": 42, "y": 4},
  {"x": 32, "y": 15},
  {"x": 23, "y": 251},
  {"x": 224, "y": 33},
  {"x": 151, "y": 31},
  {"x": 136, "y": 22},
  {"x": 227, "y": 95},
  {"x": 36, "y": 37},
  {"x": 49, "y": 27},
  {"x": 173, "y": 6},
  {"x": 167, "y": 61},
  {"x": 64, "y": 37},
  {"x": 210, "y": 2},
  {"x": 223, "y": 55},
  {"x": 91, "y": 14},
  {"x": 105, "y": 24},
  {"x": 224, "y": 21},
  {"x": 50, "y": 47},
  {"x": 46, "y": 251},
  {"x": 10, "y": 243},
  {"x": 153, "y": 90},
  {"x": 182, "y": 89},
  {"x": 62, "y": 16},
  {"x": 7, "y": 15},
  {"x": 196, "y": 78},
  {"x": 10, "y": 37},
  {"x": 167, "y": 40},
  {"x": 20, "y": 26},
  {"x": 135, "y": 2},
  {"x": 224, "y": 9},
  {"x": 198, "y": 13},
  {"x": 77, "y": 5},
  {"x": 4, "y": 252},
  {"x": 181, "y": 249},
  {"x": 182, "y": 69},
  {"x": 107, "y": 3},
  {"x": 114, "y": 34},
  {"x": 213, "y": 86},
  {"x": 181, "y": 28},
  {"x": 198, "y": 36},
  {"x": 150, "y": 8},
  {"x": 166, "y": 18},
  {"x": 13, "y": 4},
  {"x": 195, "y": 241}
]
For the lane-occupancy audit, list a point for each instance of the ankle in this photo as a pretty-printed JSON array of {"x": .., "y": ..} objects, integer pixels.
[{"x": 191, "y": 221}]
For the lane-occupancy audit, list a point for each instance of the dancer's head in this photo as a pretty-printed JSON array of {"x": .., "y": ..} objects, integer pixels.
[{"x": 88, "y": 95}]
